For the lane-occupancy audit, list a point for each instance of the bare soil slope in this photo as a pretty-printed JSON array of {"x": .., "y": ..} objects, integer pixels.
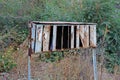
[{"x": 74, "y": 66}]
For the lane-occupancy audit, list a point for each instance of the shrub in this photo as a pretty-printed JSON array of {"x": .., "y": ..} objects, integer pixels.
[
  {"x": 103, "y": 12},
  {"x": 51, "y": 57},
  {"x": 7, "y": 60}
]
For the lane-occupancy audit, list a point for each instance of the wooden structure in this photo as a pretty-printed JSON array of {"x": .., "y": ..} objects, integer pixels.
[{"x": 54, "y": 36}]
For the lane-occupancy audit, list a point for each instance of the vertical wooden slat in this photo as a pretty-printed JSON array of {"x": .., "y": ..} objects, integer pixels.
[
  {"x": 33, "y": 35},
  {"x": 62, "y": 37},
  {"x": 39, "y": 38},
  {"x": 46, "y": 37},
  {"x": 77, "y": 36},
  {"x": 72, "y": 36},
  {"x": 81, "y": 31},
  {"x": 68, "y": 36},
  {"x": 86, "y": 36},
  {"x": 92, "y": 35},
  {"x": 54, "y": 37}
]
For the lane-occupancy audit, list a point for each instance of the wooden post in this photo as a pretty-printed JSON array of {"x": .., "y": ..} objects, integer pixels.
[
  {"x": 39, "y": 38},
  {"x": 54, "y": 37},
  {"x": 72, "y": 36},
  {"x": 95, "y": 65},
  {"x": 29, "y": 68},
  {"x": 29, "y": 50},
  {"x": 77, "y": 36},
  {"x": 93, "y": 36},
  {"x": 46, "y": 37}
]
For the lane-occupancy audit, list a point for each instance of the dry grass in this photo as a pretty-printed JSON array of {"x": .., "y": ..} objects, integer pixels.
[
  {"x": 77, "y": 66},
  {"x": 72, "y": 67}
]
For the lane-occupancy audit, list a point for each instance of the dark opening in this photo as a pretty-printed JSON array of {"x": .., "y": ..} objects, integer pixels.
[
  {"x": 65, "y": 37},
  {"x": 59, "y": 34},
  {"x": 51, "y": 37},
  {"x": 80, "y": 43},
  {"x": 69, "y": 36}
]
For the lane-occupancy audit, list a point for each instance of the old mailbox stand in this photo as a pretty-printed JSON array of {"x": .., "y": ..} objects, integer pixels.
[{"x": 57, "y": 36}]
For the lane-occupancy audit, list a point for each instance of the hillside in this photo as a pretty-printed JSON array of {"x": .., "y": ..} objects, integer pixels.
[
  {"x": 76, "y": 65},
  {"x": 14, "y": 17}
]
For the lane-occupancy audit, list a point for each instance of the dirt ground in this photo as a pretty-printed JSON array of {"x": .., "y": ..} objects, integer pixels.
[
  {"x": 70, "y": 68},
  {"x": 77, "y": 66}
]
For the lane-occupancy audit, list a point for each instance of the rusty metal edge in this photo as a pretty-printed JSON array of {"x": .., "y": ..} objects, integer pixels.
[{"x": 30, "y": 39}]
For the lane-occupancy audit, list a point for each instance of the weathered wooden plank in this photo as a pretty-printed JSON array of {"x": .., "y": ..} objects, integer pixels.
[
  {"x": 46, "y": 37},
  {"x": 86, "y": 36},
  {"x": 72, "y": 36},
  {"x": 33, "y": 35},
  {"x": 62, "y": 23},
  {"x": 62, "y": 37},
  {"x": 77, "y": 36},
  {"x": 81, "y": 33},
  {"x": 54, "y": 37},
  {"x": 92, "y": 35},
  {"x": 68, "y": 36},
  {"x": 39, "y": 38}
]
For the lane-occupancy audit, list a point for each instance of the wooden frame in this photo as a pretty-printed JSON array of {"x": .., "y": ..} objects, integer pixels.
[{"x": 54, "y": 36}]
